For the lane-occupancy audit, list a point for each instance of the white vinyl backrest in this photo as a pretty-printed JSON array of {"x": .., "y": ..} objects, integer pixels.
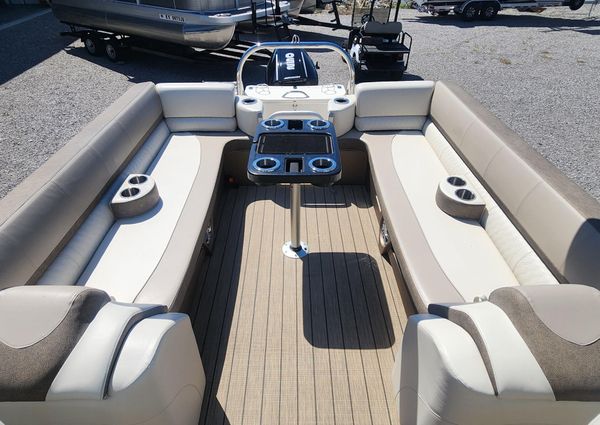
[
  {"x": 197, "y": 100},
  {"x": 394, "y": 99}
]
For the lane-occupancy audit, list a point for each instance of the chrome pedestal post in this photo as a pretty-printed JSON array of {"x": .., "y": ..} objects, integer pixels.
[{"x": 295, "y": 248}]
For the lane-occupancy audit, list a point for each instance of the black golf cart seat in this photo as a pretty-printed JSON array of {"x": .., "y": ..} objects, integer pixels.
[
  {"x": 376, "y": 37},
  {"x": 382, "y": 29}
]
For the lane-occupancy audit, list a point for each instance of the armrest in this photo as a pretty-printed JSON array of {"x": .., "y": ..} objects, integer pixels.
[{"x": 98, "y": 347}]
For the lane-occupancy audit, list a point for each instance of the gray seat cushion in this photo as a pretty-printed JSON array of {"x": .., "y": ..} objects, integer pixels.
[{"x": 39, "y": 327}]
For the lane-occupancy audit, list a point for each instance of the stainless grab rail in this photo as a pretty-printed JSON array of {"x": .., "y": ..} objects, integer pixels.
[{"x": 271, "y": 46}]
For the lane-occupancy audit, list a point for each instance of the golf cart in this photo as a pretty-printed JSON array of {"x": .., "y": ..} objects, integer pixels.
[{"x": 379, "y": 48}]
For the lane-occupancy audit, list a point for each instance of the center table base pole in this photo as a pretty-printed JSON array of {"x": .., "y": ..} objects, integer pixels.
[{"x": 295, "y": 248}]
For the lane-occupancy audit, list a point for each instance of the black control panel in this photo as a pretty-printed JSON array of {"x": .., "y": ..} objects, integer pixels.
[{"x": 295, "y": 151}]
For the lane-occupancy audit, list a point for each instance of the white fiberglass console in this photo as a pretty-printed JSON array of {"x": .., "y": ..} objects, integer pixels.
[{"x": 333, "y": 102}]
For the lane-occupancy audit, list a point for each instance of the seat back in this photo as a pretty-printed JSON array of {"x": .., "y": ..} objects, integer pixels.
[
  {"x": 198, "y": 106},
  {"x": 40, "y": 326},
  {"x": 39, "y": 217},
  {"x": 559, "y": 220},
  {"x": 383, "y": 29},
  {"x": 392, "y": 105},
  {"x": 540, "y": 341}
]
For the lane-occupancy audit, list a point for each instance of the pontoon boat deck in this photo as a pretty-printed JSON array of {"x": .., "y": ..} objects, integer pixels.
[{"x": 218, "y": 254}]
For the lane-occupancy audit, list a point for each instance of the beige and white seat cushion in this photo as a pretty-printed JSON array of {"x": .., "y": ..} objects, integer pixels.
[
  {"x": 132, "y": 258},
  {"x": 529, "y": 355},
  {"x": 421, "y": 133},
  {"x": 444, "y": 259}
]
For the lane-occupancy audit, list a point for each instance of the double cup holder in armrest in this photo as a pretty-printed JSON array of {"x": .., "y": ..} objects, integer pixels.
[
  {"x": 294, "y": 151},
  {"x": 457, "y": 198},
  {"x": 137, "y": 195}
]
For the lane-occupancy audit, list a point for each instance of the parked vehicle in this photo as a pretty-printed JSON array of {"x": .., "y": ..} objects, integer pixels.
[
  {"x": 378, "y": 45},
  {"x": 487, "y": 9}
]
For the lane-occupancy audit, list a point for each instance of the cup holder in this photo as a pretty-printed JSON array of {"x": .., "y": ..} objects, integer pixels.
[
  {"x": 457, "y": 198},
  {"x": 273, "y": 124},
  {"x": 465, "y": 194},
  {"x": 341, "y": 100},
  {"x": 137, "y": 195},
  {"x": 130, "y": 192},
  {"x": 248, "y": 101},
  {"x": 322, "y": 165},
  {"x": 456, "y": 181},
  {"x": 266, "y": 164},
  {"x": 318, "y": 124},
  {"x": 138, "y": 179}
]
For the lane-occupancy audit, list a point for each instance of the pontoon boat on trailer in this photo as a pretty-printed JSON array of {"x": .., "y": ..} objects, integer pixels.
[
  {"x": 300, "y": 229},
  {"x": 196, "y": 23}
]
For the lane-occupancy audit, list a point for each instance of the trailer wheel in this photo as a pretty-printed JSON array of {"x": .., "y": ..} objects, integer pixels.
[
  {"x": 489, "y": 12},
  {"x": 113, "y": 50},
  {"x": 576, "y": 4},
  {"x": 92, "y": 45},
  {"x": 470, "y": 12}
]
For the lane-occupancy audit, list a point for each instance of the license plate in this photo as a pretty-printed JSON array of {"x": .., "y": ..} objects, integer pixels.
[{"x": 167, "y": 17}]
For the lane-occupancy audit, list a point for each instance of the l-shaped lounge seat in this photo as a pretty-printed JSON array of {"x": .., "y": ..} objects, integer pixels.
[
  {"x": 420, "y": 133},
  {"x": 529, "y": 354},
  {"x": 57, "y": 227},
  {"x": 86, "y": 334}
]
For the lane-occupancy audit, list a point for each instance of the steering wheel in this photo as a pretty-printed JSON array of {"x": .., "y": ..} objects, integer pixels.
[{"x": 366, "y": 18}]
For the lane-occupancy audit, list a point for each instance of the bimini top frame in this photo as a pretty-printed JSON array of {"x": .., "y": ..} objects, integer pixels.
[{"x": 271, "y": 46}]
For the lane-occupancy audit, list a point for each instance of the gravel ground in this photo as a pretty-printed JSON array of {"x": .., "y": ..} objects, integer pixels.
[{"x": 537, "y": 72}]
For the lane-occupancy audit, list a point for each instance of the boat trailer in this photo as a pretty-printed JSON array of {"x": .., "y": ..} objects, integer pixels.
[{"x": 377, "y": 44}]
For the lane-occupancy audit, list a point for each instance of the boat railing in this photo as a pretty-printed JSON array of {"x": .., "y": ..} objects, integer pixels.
[{"x": 272, "y": 46}]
